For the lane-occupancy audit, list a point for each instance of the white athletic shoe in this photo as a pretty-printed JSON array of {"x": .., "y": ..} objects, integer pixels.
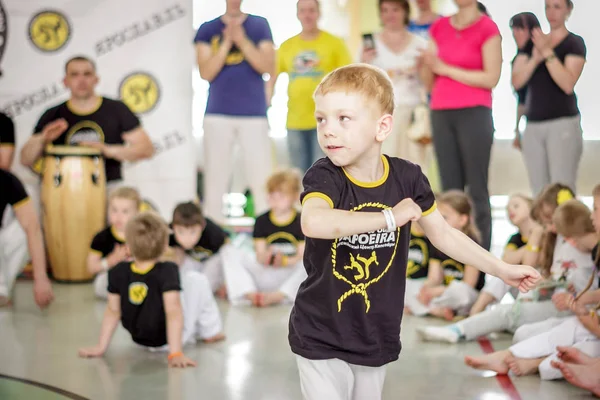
[{"x": 438, "y": 334}]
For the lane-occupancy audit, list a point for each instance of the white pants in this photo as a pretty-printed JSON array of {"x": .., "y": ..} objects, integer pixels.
[
  {"x": 220, "y": 134},
  {"x": 101, "y": 285},
  {"x": 212, "y": 267},
  {"x": 14, "y": 253},
  {"x": 335, "y": 379},
  {"x": 496, "y": 287},
  {"x": 246, "y": 275},
  {"x": 535, "y": 328},
  {"x": 569, "y": 333},
  {"x": 398, "y": 144},
  {"x": 458, "y": 296},
  {"x": 201, "y": 316},
  {"x": 508, "y": 317}
]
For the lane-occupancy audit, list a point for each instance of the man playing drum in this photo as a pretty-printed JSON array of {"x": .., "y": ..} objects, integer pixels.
[
  {"x": 16, "y": 238},
  {"x": 91, "y": 120}
]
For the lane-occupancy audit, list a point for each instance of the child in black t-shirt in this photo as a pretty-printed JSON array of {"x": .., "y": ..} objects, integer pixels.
[
  {"x": 108, "y": 246},
  {"x": 519, "y": 214},
  {"x": 145, "y": 295},
  {"x": 453, "y": 286},
  {"x": 199, "y": 244},
  {"x": 272, "y": 275},
  {"x": 357, "y": 209}
]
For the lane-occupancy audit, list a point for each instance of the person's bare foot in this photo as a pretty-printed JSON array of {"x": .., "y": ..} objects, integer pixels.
[
  {"x": 254, "y": 297},
  {"x": 222, "y": 292},
  {"x": 5, "y": 302},
  {"x": 583, "y": 376},
  {"x": 523, "y": 366},
  {"x": 217, "y": 338},
  {"x": 442, "y": 312},
  {"x": 574, "y": 356},
  {"x": 271, "y": 298},
  {"x": 490, "y": 362}
]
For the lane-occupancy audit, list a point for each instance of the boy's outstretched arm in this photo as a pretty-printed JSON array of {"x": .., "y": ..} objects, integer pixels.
[
  {"x": 320, "y": 221},
  {"x": 174, "y": 316},
  {"x": 111, "y": 319},
  {"x": 460, "y": 247}
]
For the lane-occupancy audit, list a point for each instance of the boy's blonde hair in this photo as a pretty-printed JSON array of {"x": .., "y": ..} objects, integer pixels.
[
  {"x": 147, "y": 236},
  {"x": 128, "y": 193},
  {"x": 364, "y": 79},
  {"x": 287, "y": 181}
]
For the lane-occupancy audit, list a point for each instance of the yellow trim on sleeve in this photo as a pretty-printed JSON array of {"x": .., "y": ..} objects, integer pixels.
[
  {"x": 510, "y": 246},
  {"x": 97, "y": 252},
  {"x": 431, "y": 209},
  {"x": 7, "y": 145},
  {"x": 20, "y": 203},
  {"x": 320, "y": 196}
]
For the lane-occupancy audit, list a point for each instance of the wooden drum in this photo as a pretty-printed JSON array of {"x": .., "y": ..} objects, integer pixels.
[{"x": 73, "y": 208}]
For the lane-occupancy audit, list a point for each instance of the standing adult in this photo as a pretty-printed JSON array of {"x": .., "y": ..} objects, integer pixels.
[
  {"x": 425, "y": 18},
  {"x": 91, "y": 120},
  {"x": 522, "y": 26},
  {"x": 463, "y": 66},
  {"x": 306, "y": 57},
  {"x": 397, "y": 52},
  {"x": 234, "y": 51},
  {"x": 550, "y": 66}
]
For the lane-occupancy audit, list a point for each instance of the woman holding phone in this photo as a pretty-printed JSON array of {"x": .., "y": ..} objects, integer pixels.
[{"x": 396, "y": 50}]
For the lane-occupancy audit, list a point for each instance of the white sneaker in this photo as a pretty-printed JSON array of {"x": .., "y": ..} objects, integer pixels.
[{"x": 438, "y": 334}]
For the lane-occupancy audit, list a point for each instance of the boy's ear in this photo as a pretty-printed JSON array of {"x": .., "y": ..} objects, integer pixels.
[{"x": 384, "y": 127}]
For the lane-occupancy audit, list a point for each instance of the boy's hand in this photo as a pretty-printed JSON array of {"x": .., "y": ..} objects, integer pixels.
[
  {"x": 181, "y": 362},
  {"x": 120, "y": 253},
  {"x": 405, "y": 211},
  {"x": 90, "y": 352},
  {"x": 562, "y": 301},
  {"x": 42, "y": 292},
  {"x": 523, "y": 277}
]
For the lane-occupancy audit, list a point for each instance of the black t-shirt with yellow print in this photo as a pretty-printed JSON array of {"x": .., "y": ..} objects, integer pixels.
[
  {"x": 515, "y": 242},
  {"x": 420, "y": 250},
  {"x": 106, "y": 124},
  {"x": 105, "y": 241},
  {"x": 455, "y": 270},
  {"x": 350, "y": 307},
  {"x": 212, "y": 239},
  {"x": 142, "y": 306},
  {"x": 281, "y": 236}
]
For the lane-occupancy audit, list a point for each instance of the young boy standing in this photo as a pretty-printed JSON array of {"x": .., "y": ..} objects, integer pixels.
[{"x": 357, "y": 208}]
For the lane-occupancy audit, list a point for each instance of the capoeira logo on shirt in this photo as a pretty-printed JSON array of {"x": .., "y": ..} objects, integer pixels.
[
  {"x": 85, "y": 131},
  {"x": 137, "y": 293},
  {"x": 363, "y": 260}
]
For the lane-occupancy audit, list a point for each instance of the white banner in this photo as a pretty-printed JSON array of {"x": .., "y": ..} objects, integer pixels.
[{"x": 144, "y": 55}]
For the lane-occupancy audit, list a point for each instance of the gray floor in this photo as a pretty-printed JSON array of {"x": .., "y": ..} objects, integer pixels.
[{"x": 253, "y": 363}]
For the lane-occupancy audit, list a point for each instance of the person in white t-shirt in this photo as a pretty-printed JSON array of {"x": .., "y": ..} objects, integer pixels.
[{"x": 396, "y": 50}]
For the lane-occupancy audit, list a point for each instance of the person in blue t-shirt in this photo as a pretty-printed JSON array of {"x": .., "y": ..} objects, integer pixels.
[
  {"x": 234, "y": 51},
  {"x": 426, "y": 17}
]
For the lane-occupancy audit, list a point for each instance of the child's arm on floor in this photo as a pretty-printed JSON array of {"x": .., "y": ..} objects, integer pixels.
[
  {"x": 320, "y": 221},
  {"x": 460, "y": 247},
  {"x": 174, "y": 317},
  {"x": 111, "y": 319}
]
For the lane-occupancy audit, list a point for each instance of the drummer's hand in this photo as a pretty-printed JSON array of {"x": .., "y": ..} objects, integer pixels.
[
  {"x": 54, "y": 129},
  {"x": 108, "y": 150},
  {"x": 42, "y": 292},
  {"x": 89, "y": 352}
]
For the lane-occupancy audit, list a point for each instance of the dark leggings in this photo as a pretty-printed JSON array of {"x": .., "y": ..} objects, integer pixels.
[{"x": 463, "y": 142}]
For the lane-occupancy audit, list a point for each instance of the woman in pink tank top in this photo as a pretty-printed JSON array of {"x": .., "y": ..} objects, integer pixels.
[{"x": 463, "y": 65}]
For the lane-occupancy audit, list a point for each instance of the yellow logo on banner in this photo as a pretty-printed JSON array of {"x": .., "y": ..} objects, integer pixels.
[
  {"x": 49, "y": 30},
  {"x": 140, "y": 92}
]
